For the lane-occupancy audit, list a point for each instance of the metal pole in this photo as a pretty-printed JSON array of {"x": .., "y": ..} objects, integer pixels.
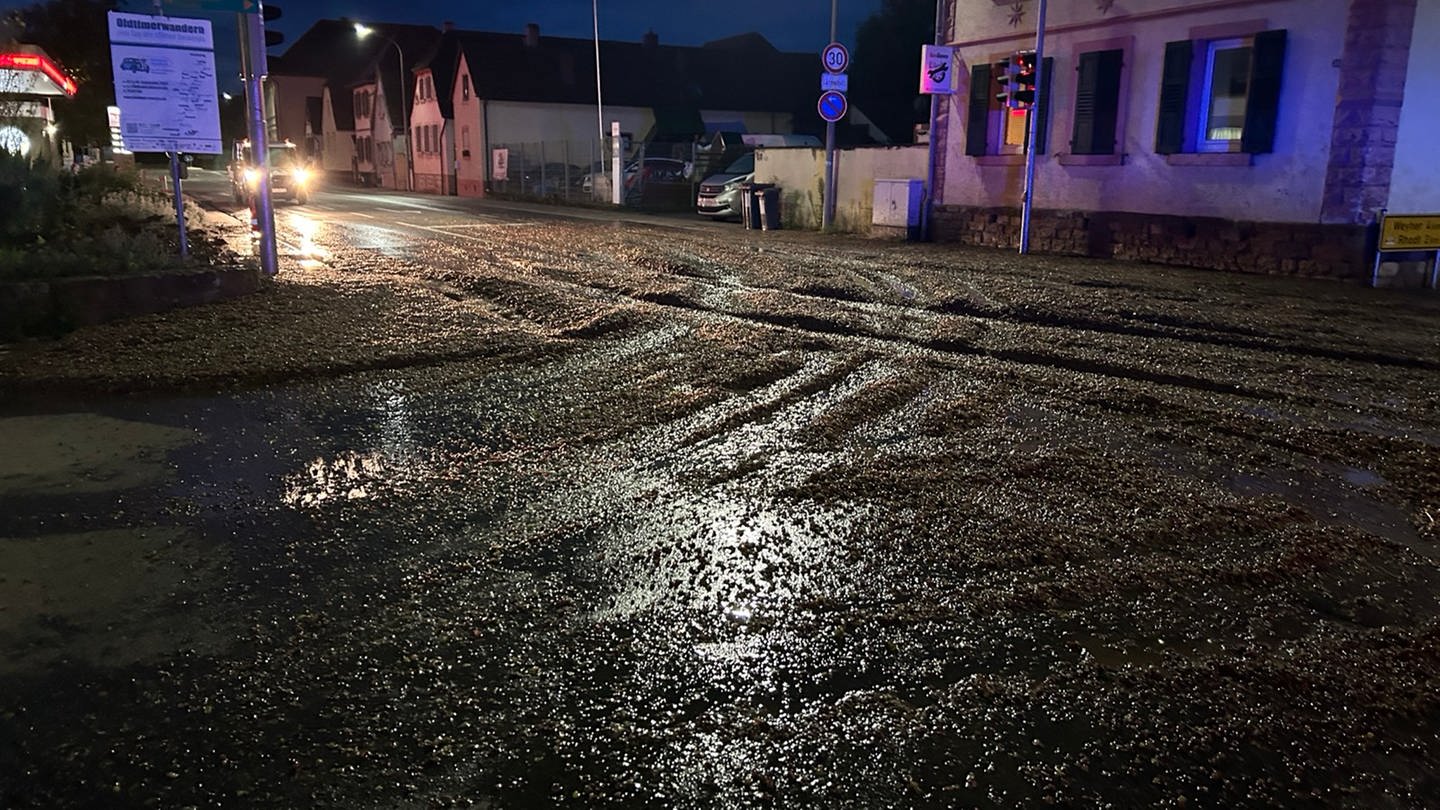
[
  {"x": 179, "y": 203},
  {"x": 405, "y": 123},
  {"x": 827, "y": 213},
  {"x": 934, "y": 117},
  {"x": 599, "y": 101},
  {"x": 1034, "y": 128},
  {"x": 253, "y": 28}
]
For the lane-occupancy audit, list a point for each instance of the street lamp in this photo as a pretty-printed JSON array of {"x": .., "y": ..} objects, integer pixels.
[{"x": 362, "y": 31}]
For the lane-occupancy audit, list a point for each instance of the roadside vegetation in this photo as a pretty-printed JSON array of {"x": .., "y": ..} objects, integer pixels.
[{"x": 97, "y": 221}]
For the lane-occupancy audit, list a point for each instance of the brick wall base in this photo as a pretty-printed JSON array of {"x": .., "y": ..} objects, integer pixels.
[{"x": 1271, "y": 248}]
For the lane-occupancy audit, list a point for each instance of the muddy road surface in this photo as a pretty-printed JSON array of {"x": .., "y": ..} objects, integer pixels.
[{"x": 531, "y": 512}]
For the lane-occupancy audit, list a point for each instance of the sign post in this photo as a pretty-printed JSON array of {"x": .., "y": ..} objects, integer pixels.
[
  {"x": 1408, "y": 233},
  {"x": 937, "y": 78},
  {"x": 164, "y": 70},
  {"x": 832, "y": 107}
]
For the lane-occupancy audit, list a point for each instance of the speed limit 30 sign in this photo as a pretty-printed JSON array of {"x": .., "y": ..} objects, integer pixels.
[{"x": 835, "y": 57}]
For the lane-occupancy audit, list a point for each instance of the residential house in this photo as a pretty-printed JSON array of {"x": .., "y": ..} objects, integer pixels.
[
  {"x": 316, "y": 87},
  {"x": 1256, "y": 135},
  {"x": 432, "y": 117},
  {"x": 536, "y": 97}
]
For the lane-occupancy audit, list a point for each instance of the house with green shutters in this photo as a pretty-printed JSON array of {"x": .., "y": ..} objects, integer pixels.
[{"x": 1254, "y": 135}]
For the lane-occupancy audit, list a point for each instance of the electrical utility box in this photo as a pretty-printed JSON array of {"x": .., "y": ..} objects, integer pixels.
[{"x": 899, "y": 206}]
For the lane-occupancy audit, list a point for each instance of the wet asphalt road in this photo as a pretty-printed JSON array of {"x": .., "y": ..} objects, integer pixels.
[{"x": 599, "y": 513}]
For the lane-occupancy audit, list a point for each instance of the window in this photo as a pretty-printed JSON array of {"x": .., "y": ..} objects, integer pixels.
[
  {"x": 465, "y": 87},
  {"x": 1220, "y": 95},
  {"x": 1227, "y": 87},
  {"x": 992, "y": 128},
  {"x": 1097, "y": 102},
  {"x": 465, "y": 142}
]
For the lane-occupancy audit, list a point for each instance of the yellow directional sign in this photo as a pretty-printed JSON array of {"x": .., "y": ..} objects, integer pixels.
[{"x": 1410, "y": 232}]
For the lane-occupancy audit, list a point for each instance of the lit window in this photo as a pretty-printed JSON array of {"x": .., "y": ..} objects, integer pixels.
[
  {"x": 1221, "y": 95},
  {"x": 1227, "y": 88}
]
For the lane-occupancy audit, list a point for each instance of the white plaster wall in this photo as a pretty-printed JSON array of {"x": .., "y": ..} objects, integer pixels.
[
  {"x": 516, "y": 122},
  {"x": 1284, "y": 186},
  {"x": 1415, "y": 183},
  {"x": 469, "y": 169},
  {"x": 427, "y": 113},
  {"x": 798, "y": 173},
  {"x": 339, "y": 147}
]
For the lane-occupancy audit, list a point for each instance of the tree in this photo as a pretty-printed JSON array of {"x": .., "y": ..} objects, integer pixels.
[
  {"x": 76, "y": 35},
  {"x": 885, "y": 79}
]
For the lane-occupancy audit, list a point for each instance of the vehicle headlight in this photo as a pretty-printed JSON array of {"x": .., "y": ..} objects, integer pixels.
[
  {"x": 302, "y": 176},
  {"x": 252, "y": 177},
  {"x": 734, "y": 184}
]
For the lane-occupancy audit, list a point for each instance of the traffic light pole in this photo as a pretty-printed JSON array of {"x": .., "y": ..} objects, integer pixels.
[
  {"x": 252, "y": 64},
  {"x": 1033, "y": 126}
]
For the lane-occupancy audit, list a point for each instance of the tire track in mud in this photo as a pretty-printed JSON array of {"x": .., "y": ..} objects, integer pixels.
[{"x": 716, "y": 281}]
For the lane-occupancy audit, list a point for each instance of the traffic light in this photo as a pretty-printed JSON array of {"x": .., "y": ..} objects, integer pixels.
[
  {"x": 1016, "y": 77},
  {"x": 1026, "y": 76},
  {"x": 269, "y": 13}
]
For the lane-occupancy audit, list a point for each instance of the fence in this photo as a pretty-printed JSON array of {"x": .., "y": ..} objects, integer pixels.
[{"x": 655, "y": 176}]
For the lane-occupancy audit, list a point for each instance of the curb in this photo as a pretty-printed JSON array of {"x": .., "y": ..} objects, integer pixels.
[{"x": 51, "y": 308}]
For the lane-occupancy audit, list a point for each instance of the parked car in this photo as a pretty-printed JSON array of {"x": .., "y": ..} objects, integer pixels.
[
  {"x": 656, "y": 170},
  {"x": 720, "y": 196},
  {"x": 290, "y": 177}
]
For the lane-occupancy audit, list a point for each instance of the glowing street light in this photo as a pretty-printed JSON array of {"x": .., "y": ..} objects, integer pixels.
[{"x": 362, "y": 30}]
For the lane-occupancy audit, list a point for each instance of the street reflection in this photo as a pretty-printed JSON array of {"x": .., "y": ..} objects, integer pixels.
[{"x": 310, "y": 255}]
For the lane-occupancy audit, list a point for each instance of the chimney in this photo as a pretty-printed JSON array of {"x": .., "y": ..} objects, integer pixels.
[
  {"x": 449, "y": 25},
  {"x": 532, "y": 35},
  {"x": 651, "y": 40}
]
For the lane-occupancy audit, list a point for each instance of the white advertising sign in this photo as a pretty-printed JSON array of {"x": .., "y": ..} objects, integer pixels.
[
  {"x": 167, "y": 99},
  {"x": 500, "y": 164},
  {"x": 165, "y": 84},
  {"x": 937, "y": 70},
  {"x": 165, "y": 32}
]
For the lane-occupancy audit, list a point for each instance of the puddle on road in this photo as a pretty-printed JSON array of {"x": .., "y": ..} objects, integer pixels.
[
  {"x": 105, "y": 598},
  {"x": 74, "y": 453},
  {"x": 1344, "y": 500}
]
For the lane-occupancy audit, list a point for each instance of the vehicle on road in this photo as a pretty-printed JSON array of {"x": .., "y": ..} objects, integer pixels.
[
  {"x": 290, "y": 175},
  {"x": 720, "y": 196}
]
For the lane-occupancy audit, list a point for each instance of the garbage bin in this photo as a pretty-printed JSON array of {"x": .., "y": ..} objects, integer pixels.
[
  {"x": 750, "y": 203},
  {"x": 769, "y": 208}
]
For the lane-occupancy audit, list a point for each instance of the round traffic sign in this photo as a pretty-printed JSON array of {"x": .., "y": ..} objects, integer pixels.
[
  {"x": 835, "y": 57},
  {"x": 832, "y": 106}
]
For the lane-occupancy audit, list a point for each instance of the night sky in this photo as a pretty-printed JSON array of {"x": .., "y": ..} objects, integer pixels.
[{"x": 791, "y": 25}]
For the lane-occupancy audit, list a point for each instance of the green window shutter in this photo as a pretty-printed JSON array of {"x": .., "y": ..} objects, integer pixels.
[
  {"x": 977, "y": 125},
  {"x": 1174, "y": 87},
  {"x": 1097, "y": 102},
  {"x": 1042, "y": 105},
  {"x": 1268, "y": 61}
]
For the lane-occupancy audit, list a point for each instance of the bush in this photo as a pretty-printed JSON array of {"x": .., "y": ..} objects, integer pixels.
[{"x": 97, "y": 221}]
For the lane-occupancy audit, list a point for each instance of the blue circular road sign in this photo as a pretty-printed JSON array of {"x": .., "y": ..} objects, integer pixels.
[{"x": 832, "y": 105}]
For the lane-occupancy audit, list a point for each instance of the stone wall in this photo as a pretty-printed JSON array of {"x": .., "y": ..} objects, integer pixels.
[
  {"x": 1272, "y": 248},
  {"x": 1367, "y": 111}
]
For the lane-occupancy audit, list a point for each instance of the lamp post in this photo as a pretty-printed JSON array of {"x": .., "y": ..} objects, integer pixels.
[{"x": 362, "y": 31}]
